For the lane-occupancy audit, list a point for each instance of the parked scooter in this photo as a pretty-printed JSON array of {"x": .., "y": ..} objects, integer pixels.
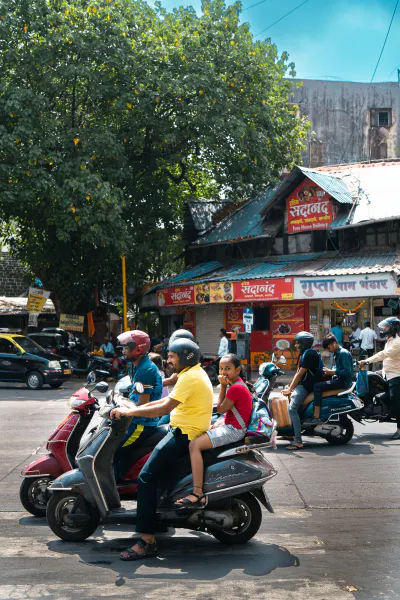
[
  {"x": 234, "y": 480},
  {"x": 62, "y": 447},
  {"x": 269, "y": 373},
  {"x": 85, "y": 362}
]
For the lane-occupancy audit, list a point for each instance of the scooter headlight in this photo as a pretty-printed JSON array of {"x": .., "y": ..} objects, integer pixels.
[{"x": 74, "y": 402}]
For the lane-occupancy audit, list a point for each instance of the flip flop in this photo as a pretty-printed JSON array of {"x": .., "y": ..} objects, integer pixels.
[
  {"x": 295, "y": 447},
  {"x": 150, "y": 550},
  {"x": 186, "y": 503}
]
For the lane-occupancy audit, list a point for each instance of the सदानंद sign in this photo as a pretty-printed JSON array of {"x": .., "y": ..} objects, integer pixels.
[
  {"x": 175, "y": 296},
  {"x": 72, "y": 322},
  {"x": 36, "y": 300},
  {"x": 309, "y": 208},
  {"x": 263, "y": 289}
]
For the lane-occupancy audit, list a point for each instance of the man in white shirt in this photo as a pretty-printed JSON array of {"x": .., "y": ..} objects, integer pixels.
[
  {"x": 354, "y": 336},
  {"x": 367, "y": 340},
  {"x": 224, "y": 344}
]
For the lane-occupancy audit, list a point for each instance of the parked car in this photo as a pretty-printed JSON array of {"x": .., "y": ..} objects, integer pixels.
[
  {"x": 23, "y": 360},
  {"x": 51, "y": 341}
]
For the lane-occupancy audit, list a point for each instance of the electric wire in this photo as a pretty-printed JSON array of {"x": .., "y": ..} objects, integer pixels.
[
  {"x": 281, "y": 18},
  {"x": 251, "y": 5}
]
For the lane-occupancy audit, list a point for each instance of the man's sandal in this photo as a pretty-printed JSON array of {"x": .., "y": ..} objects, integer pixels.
[
  {"x": 186, "y": 503},
  {"x": 150, "y": 550},
  {"x": 295, "y": 447}
]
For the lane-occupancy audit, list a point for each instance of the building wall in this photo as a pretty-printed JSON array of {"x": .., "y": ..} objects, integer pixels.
[
  {"x": 336, "y": 109},
  {"x": 14, "y": 278}
]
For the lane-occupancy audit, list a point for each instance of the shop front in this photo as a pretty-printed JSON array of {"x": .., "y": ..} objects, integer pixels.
[
  {"x": 347, "y": 300},
  {"x": 208, "y": 306}
]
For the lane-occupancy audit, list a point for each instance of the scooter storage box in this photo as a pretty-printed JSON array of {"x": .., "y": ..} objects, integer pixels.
[{"x": 280, "y": 411}]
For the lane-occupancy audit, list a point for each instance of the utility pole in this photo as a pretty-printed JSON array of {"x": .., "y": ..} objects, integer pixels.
[{"x": 124, "y": 292}]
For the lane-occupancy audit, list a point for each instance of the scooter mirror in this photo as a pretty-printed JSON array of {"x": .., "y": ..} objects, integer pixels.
[
  {"x": 109, "y": 396},
  {"x": 139, "y": 387},
  {"x": 91, "y": 378},
  {"x": 282, "y": 360},
  {"x": 101, "y": 387}
]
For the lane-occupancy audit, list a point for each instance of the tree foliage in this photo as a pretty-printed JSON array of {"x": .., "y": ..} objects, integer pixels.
[{"x": 112, "y": 113}]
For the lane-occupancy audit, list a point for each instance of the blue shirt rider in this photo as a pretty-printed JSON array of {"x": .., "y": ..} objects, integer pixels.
[{"x": 135, "y": 348}]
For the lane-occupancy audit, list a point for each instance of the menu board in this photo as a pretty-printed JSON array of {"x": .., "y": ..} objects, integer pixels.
[
  {"x": 287, "y": 321},
  {"x": 213, "y": 293},
  {"x": 234, "y": 318}
]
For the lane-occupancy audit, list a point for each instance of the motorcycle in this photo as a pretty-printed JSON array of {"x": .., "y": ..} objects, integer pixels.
[
  {"x": 209, "y": 364},
  {"x": 377, "y": 405},
  {"x": 234, "y": 478},
  {"x": 85, "y": 362}
]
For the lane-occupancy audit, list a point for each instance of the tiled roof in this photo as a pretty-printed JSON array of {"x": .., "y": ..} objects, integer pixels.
[
  {"x": 245, "y": 223},
  {"x": 302, "y": 265}
]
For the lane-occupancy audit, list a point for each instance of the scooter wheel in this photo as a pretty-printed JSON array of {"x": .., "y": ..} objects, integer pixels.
[
  {"x": 58, "y": 509},
  {"x": 346, "y": 435},
  {"x": 33, "y": 495},
  {"x": 247, "y": 516}
]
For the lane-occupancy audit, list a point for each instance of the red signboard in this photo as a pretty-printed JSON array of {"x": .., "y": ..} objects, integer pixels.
[
  {"x": 175, "y": 296},
  {"x": 309, "y": 208},
  {"x": 234, "y": 318},
  {"x": 263, "y": 289}
]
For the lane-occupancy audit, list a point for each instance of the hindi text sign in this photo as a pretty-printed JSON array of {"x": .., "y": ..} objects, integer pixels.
[
  {"x": 309, "y": 208},
  {"x": 72, "y": 322}
]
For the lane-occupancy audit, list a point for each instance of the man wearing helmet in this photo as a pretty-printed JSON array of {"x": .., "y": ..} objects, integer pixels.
[
  {"x": 190, "y": 403},
  {"x": 135, "y": 348},
  {"x": 342, "y": 375},
  {"x": 309, "y": 369},
  {"x": 390, "y": 329}
]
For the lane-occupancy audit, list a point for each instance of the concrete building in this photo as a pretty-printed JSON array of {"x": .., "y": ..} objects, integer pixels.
[{"x": 350, "y": 122}]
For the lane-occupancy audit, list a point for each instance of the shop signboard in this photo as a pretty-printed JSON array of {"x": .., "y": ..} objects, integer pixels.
[
  {"x": 309, "y": 208},
  {"x": 72, "y": 322},
  {"x": 36, "y": 300},
  {"x": 344, "y": 286},
  {"x": 175, "y": 296},
  {"x": 253, "y": 290}
]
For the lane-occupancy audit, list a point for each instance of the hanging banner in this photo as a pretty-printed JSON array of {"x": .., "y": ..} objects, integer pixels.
[
  {"x": 309, "y": 208},
  {"x": 175, "y": 296},
  {"x": 72, "y": 322},
  {"x": 36, "y": 300},
  {"x": 263, "y": 289}
]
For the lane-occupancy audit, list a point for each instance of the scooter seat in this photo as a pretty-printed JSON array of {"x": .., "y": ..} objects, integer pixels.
[{"x": 310, "y": 397}]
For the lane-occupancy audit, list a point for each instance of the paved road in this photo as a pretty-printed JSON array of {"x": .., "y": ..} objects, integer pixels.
[{"x": 337, "y": 524}]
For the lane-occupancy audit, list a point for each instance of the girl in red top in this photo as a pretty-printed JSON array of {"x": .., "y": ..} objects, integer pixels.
[{"x": 233, "y": 394}]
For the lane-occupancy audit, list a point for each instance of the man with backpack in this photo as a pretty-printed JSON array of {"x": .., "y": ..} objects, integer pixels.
[
  {"x": 309, "y": 371},
  {"x": 342, "y": 376}
]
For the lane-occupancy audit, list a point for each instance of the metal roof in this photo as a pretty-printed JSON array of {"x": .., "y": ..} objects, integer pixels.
[
  {"x": 303, "y": 265},
  {"x": 245, "y": 223},
  {"x": 331, "y": 183},
  {"x": 10, "y": 305}
]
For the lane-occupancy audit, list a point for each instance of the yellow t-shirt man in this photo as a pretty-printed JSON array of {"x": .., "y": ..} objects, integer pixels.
[{"x": 194, "y": 393}]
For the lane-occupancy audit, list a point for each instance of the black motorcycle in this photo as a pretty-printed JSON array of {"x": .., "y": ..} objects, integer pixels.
[
  {"x": 233, "y": 483},
  {"x": 377, "y": 404}
]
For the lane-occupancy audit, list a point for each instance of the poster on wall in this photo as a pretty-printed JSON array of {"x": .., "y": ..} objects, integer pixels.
[
  {"x": 309, "y": 208},
  {"x": 234, "y": 318},
  {"x": 287, "y": 321},
  {"x": 189, "y": 318},
  {"x": 175, "y": 296},
  {"x": 214, "y": 292}
]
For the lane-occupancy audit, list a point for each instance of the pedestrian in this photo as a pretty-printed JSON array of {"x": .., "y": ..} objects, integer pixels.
[
  {"x": 223, "y": 346},
  {"x": 190, "y": 403},
  {"x": 308, "y": 373},
  {"x": 354, "y": 336},
  {"x": 235, "y": 402},
  {"x": 390, "y": 329},
  {"x": 107, "y": 348},
  {"x": 367, "y": 341},
  {"x": 342, "y": 376},
  {"x": 97, "y": 351},
  {"x": 116, "y": 366}
]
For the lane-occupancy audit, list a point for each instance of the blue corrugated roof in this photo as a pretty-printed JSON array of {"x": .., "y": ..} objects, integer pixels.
[
  {"x": 333, "y": 184},
  {"x": 363, "y": 262},
  {"x": 197, "y": 271},
  {"x": 245, "y": 223}
]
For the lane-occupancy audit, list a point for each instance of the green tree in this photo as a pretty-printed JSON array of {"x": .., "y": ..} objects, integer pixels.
[{"x": 112, "y": 114}]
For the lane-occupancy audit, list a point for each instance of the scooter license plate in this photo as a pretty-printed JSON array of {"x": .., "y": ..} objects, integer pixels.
[{"x": 67, "y": 371}]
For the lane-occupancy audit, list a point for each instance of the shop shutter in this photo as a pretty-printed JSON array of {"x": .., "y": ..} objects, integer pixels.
[{"x": 209, "y": 320}]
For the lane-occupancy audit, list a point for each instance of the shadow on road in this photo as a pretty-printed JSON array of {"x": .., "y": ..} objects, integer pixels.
[
  {"x": 322, "y": 450},
  {"x": 197, "y": 556}
]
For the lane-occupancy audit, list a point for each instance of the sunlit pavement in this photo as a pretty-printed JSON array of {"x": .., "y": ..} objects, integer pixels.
[{"x": 334, "y": 535}]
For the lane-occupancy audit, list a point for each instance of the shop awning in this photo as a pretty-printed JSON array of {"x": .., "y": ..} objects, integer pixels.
[{"x": 319, "y": 263}]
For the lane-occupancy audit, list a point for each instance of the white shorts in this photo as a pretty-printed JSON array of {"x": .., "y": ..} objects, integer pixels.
[{"x": 224, "y": 434}]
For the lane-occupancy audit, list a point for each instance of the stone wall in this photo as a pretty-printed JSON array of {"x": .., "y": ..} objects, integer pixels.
[{"x": 14, "y": 277}]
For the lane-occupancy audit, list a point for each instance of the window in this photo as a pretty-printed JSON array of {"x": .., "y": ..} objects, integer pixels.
[
  {"x": 381, "y": 117},
  {"x": 7, "y": 347},
  {"x": 261, "y": 319}
]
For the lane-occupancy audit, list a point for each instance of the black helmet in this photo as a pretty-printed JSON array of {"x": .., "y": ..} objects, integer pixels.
[
  {"x": 305, "y": 339},
  {"x": 181, "y": 334},
  {"x": 390, "y": 327},
  {"x": 188, "y": 352}
]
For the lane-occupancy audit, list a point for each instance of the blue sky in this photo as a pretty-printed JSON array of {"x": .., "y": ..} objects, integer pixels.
[{"x": 328, "y": 39}]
